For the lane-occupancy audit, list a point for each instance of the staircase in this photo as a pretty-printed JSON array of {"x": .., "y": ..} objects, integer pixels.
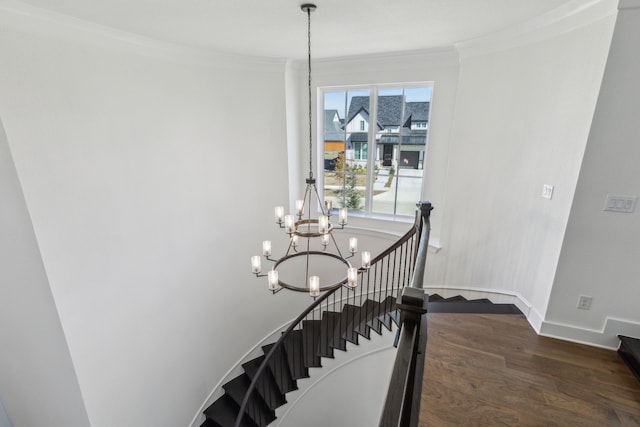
[
  {"x": 319, "y": 338},
  {"x": 629, "y": 350},
  {"x": 344, "y": 315},
  {"x": 303, "y": 348}
]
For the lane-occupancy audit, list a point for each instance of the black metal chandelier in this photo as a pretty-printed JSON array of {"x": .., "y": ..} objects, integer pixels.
[{"x": 310, "y": 238}]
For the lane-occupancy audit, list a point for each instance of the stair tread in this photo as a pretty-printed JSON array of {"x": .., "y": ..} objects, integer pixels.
[
  {"x": 349, "y": 314},
  {"x": 266, "y": 385},
  {"x": 369, "y": 318},
  {"x": 387, "y": 306},
  {"x": 395, "y": 316},
  {"x": 336, "y": 338},
  {"x": 311, "y": 343},
  {"x": 256, "y": 408},
  {"x": 224, "y": 412},
  {"x": 455, "y": 298},
  {"x": 209, "y": 423},
  {"x": 629, "y": 350},
  {"x": 483, "y": 300},
  {"x": 471, "y": 307},
  {"x": 330, "y": 323},
  {"x": 435, "y": 297},
  {"x": 632, "y": 343},
  {"x": 295, "y": 355},
  {"x": 280, "y": 369}
]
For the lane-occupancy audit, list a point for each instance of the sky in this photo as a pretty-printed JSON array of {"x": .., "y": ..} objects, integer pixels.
[{"x": 336, "y": 100}]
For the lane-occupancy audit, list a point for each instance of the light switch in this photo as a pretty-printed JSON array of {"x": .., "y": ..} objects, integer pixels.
[{"x": 625, "y": 204}]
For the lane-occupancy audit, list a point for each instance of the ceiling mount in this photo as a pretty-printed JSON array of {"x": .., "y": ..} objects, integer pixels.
[{"x": 308, "y": 7}]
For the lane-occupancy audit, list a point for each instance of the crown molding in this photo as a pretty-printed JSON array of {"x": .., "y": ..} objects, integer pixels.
[
  {"x": 629, "y": 4},
  {"x": 566, "y": 18},
  {"x": 34, "y": 20},
  {"x": 382, "y": 61}
]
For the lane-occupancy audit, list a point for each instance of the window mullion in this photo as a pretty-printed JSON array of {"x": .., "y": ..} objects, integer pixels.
[
  {"x": 371, "y": 149},
  {"x": 398, "y": 156}
]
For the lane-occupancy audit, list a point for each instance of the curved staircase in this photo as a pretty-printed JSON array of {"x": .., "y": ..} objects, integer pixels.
[
  {"x": 388, "y": 292},
  {"x": 303, "y": 348},
  {"x": 317, "y": 339}
]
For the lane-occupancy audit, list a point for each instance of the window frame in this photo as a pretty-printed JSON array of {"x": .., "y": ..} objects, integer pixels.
[{"x": 374, "y": 89}]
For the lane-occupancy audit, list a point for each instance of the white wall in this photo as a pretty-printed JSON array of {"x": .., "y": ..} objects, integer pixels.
[
  {"x": 133, "y": 159},
  {"x": 507, "y": 118},
  {"x": 126, "y": 152},
  {"x": 37, "y": 378},
  {"x": 522, "y": 117},
  {"x": 600, "y": 253}
]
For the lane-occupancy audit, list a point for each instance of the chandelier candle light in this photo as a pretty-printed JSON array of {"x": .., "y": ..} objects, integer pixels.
[{"x": 310, "y": 228}]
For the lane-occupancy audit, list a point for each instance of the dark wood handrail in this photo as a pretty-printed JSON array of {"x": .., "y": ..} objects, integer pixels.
[
  {"x": 273, "y": 350},
  {"x": 402, "y": 406}
]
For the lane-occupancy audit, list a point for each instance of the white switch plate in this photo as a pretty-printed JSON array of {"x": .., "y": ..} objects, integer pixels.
[
  {"x": 584, "y": 302},
  {"x": 626, "y": 204},
  {"x": 547, "y": 191}
]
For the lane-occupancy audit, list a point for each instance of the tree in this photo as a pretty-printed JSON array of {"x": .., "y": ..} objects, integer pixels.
[
  {"x": 352, "y": 195},
  {"x": 392, "y": 171},
  {"x": 339, "y": 165}
]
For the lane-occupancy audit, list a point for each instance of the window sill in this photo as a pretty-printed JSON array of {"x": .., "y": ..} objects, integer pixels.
[
  {"x": 390, "y": 226},
  {"x": 395, "y": 226}
]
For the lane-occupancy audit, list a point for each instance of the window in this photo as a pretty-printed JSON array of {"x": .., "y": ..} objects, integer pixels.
[
  {"x": 375, "y": 140},
  {"x": 360, "y": 150}
]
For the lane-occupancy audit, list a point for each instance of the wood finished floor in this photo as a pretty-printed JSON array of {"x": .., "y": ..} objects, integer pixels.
[{"x": 494, "y": 370}]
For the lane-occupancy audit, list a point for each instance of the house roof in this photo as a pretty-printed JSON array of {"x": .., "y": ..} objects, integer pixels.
[
  {"x": 333, "y": 129},
  {"x": 417, "y": 111},
  {"x": 357, "y": 104},
  {"x": 390, "y": 110},
  {"x": 414, "y": 138},
  {"x": 358, "y": 137}
]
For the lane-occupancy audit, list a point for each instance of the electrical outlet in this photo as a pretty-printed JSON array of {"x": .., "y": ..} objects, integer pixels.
[
  {"x": 584, "y": 302},
  {"x": 547, "y": 191}
]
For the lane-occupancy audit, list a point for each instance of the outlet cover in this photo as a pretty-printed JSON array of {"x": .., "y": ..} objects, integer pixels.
[
  {"x": 584, "y": 302},
  {"x": 547, "y": 191}
]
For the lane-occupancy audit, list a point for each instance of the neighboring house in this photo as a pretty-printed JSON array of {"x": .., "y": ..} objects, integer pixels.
[
  {"x": 333, "y": 138},
  {"x": 401, "y": 136}
]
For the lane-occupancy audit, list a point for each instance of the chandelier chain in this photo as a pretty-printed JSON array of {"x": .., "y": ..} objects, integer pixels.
[
  {"x": 309, "y": 87},
  {"x": 319, "y": 229}
]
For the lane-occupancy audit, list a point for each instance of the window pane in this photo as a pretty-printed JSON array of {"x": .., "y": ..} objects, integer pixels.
[
  {"x": 335, "y": 104},
  {"x": 408, "y": 191},
  {"x": 400, "y": 146},
  {"x": 355, "y": 172},
  {"x": 357, "y": 128},
  {"x": 389, "y": 119}
]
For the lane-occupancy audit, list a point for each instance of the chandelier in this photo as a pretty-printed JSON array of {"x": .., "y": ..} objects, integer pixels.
[{"x": 311, "y": 240}]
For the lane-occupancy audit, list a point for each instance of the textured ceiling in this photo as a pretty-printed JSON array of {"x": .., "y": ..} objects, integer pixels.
[{"x": 277, "y": 28}]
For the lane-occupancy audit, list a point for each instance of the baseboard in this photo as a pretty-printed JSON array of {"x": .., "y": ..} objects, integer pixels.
[{"x": 607, "y": 337}]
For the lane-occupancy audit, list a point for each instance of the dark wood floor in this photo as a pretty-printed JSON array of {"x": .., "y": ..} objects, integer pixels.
[{"x": 494, "y": 370}]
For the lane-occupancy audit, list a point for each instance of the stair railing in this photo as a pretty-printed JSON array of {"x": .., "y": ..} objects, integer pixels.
[
  {"x": 402, "y": 406},
  {"x": 383, "y": 282}
]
